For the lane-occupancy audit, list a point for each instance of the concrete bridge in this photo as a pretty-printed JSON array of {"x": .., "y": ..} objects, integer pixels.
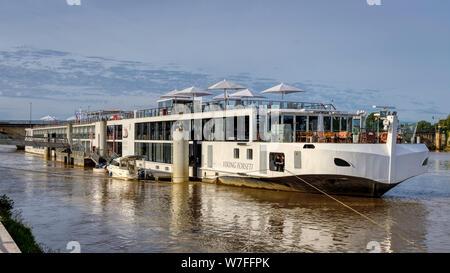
[
  {"x": 12, "y": 132},
  {"x": 13, "y": 128}
]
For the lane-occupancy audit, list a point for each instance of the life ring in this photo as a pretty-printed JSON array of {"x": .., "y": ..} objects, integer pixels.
[{"x": 383, "y": 137}]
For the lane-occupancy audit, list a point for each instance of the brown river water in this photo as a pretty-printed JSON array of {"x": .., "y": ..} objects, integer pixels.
[{"x": 64, "y": 204}]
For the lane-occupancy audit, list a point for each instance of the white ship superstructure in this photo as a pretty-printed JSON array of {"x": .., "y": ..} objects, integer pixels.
[{"x": 257, "y": 143}]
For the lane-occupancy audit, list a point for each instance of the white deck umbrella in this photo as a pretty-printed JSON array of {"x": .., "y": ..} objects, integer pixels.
[
  {"x": 282, "y": 89},
  {"x": 246, "y": 94},
  {"x": 225, "y": 85},
  {"x": 193, "y": 92},
  {"x": 173, "y": 94}
]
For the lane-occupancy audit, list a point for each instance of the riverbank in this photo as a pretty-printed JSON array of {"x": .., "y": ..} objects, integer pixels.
[
  {"x": 15, "y": 237},
  {"x": 7, "y": 244}
]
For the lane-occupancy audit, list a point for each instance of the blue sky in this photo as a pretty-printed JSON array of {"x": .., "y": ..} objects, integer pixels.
[{"x": 398, "y": 52}]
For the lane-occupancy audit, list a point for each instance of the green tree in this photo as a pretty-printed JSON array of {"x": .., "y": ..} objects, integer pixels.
[
  {"x": 444, "y": 123},
  {"x": 424, "y": 126}
]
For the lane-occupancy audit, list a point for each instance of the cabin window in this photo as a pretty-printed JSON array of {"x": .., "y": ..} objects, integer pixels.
[
  {"x": 327, "y": 123},
  {"x": 249, "y": 154},
  {"x": 167, "y": 153},
  {"x": 336, "y": 124},
  {"x": 236, "y": 153},
  {"x": 231, "y": 128},
  {"x": 197, "y": 129},
  {"x": 218, "y": 129},
  {"x": 159, "y": 153},
  {"x": 276, "y": 162},
  {"x": 113, "y": 132},
  {"x": 343, "y": 124},
  {"x": 272, "y": 121},
  {"x": 138, "y": 127},
  {"x": 313, "y": 123},
  {"x": 300, "y": 123},
  {"x": 246, "y": 128},
  {"x": 167, "y": 125},
  {"x": 145, "y": 131},
  {"x": 208, "y": 129},
  {"x": 114, "y": 147},
  {"x": 289, "y": 120}
]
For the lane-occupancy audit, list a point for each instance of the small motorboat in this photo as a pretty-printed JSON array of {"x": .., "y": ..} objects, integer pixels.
[{"x": 124, "y": 167}]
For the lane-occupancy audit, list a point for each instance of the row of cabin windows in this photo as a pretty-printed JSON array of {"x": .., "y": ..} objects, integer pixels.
[
  {"x": 85, "y": 132},
  {"x": 153, "y": 130},
  {"x": 311, "y": 123},
  {"x": 249, "y": 153},
  {"x": 231, "y": 129},
  {"x": 159, "y": 152},
  {"x": 155, "y": 152},
  {"x": 82, "y": 132}
]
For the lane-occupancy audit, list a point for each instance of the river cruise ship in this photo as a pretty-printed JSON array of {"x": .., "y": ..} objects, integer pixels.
[{"x": 268, "y": 144}]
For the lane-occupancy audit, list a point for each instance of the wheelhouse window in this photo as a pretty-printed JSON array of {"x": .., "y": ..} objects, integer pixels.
[
  {"x": 327, "y": 123},
  {"x": 313, "y": 123},
  {"x": 336, "y": 123},
  {"x": 300, "y": 123}
]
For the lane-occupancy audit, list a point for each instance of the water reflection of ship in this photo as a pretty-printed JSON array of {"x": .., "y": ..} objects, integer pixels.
[
  {"x": 185, "y": 207},
  {"x": 286, "y": 221}
]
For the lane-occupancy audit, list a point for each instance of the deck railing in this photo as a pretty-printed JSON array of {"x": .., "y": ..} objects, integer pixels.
[
  {"x": 368, "y": 137},
  {"x": 216, "y": 105}
]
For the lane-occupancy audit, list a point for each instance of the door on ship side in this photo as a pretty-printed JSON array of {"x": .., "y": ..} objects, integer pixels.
[{"x": 196, "y": 159}]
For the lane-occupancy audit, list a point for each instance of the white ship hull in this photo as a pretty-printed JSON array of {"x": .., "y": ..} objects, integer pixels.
[{"x": 367, "y": 175}]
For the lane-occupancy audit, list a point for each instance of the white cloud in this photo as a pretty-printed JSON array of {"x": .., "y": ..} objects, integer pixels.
[
  {"x": 1, "y": 93},
  {"x": 73, "y": 2}
]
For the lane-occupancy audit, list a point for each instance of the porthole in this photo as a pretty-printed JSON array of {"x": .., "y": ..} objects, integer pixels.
[
  {"x": 341, "y": 162},
  {"x": 309, "y": 146}
]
